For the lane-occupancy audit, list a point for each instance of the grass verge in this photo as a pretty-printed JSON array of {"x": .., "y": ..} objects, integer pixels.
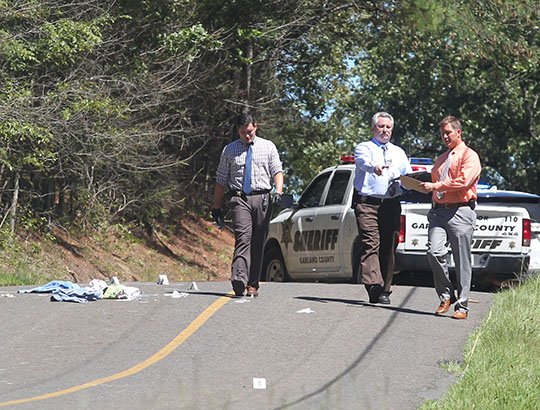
[
  {"x": 501, "y": 369},
  {"x": 20, "y": 270}
]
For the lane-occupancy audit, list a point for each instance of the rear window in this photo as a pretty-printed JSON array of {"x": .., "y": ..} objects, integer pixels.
[{"x": 531, "y": 205}]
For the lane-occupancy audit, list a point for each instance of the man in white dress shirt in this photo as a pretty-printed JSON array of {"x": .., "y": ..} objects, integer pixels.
[{"x": 379, "y": 163}]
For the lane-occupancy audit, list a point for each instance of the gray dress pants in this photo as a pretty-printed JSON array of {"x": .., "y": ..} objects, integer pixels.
[
  {"x": 454, "y": 225},
  {"x": 251, "y": 218}
]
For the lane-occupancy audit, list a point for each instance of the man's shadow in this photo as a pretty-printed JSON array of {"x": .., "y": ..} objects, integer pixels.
[
  {"x": 356, "y": 302},
  {"x": 418, "y": 279},
  {"x": 198, "y": 292}
]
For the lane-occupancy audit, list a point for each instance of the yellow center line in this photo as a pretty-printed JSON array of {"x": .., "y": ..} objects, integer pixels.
[{"x": 161, "y": 354}]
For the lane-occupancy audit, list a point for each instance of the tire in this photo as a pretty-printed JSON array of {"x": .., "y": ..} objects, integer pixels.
[{"x": 274, "y": 269}]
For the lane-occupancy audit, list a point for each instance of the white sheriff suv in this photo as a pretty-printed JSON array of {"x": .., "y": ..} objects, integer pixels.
[{"x": 317, "y": 239}]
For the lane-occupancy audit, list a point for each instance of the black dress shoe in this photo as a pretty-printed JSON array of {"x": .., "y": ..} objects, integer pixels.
[
  {"x": 385, "y": 298},
  {"x": 375, "y": 292},
  {"x": 238, "y": 287}
]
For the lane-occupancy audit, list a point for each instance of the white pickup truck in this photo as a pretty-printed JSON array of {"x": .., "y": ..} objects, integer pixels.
[{"x": 317, "y": 238}]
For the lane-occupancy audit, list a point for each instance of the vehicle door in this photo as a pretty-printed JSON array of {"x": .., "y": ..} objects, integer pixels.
[
  {"x": 331, "y": 230},
  {"x": 301, "y": 225}
]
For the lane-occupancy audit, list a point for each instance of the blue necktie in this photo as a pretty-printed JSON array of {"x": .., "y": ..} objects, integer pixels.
[{"x": 247, "y": 171}]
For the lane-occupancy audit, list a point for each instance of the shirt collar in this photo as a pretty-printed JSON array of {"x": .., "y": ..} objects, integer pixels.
[
  {"x": 246, "y": 144},
  {"x": 380, "y": 144},
  {"x": 458, "y": 148}
]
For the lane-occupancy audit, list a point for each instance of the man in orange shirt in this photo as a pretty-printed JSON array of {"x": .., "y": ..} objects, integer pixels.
[{"x": 452, "y": 217}]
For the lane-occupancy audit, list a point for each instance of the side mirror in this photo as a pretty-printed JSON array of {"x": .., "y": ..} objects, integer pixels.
[{"x": 287, "y": 201}]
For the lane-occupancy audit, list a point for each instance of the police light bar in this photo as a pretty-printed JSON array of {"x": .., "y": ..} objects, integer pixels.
[
  {"x": 417, "y": 168},
  {"x": 421, "y": 161},
  {"x": 347, "y": 159}
]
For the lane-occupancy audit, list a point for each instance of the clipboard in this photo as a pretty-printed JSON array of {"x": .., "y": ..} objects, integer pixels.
[{"x": 413, "y": 181}]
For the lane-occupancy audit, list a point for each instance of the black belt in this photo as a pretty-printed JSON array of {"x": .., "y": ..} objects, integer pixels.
[
  {"x": 242, "y": 193},
  {"x": 373, "y": 200},
  {"x": 471, "y": 203}
]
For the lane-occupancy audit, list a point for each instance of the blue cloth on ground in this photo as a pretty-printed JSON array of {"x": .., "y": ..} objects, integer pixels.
[
  {"x": 51, "y": 287},
  {"x": 81, "y": 295}
]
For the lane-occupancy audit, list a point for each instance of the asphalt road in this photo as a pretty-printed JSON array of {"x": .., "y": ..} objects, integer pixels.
[{"x": 207, "y": 350}]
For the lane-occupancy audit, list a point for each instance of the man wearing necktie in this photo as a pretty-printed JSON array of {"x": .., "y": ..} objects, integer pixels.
[
  {"x": 452, "y": 218},
  {"x": 379, "y": 163},
  {"x": 248, "y": 168}
]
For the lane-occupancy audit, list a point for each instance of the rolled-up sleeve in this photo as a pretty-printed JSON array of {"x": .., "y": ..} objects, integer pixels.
[
  {"x": 223, "y": 170},
  {"x": 275, "y": 163}
]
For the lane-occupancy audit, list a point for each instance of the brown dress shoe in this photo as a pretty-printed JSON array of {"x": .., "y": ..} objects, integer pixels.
[
  {"x": 443, "y": 307},
  {"x": 252, "y": 291},
  {"x": 459, "y": 314}
]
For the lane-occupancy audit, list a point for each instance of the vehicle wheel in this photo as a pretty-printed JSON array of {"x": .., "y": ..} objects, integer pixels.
[{"x": 274, "y": 269}]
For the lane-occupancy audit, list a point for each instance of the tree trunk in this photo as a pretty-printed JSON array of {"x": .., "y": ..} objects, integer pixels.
[
  {"x": 248, "y": 74},
  {"x": 14, "y": 204}
]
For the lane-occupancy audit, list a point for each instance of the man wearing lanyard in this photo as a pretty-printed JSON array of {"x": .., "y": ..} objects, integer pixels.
[
  {"x": 247, "y": 168},
  {"x": 452, "y": 218},
  {"x": 379, "y": 163}
]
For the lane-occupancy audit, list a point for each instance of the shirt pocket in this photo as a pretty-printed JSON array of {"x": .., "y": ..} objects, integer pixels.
[
  {"x": 238, "y": 165},
  {"x": 239, "y": 161}
]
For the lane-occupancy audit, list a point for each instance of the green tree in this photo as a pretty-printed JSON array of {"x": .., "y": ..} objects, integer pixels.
[
  {"x": 476, "y": 60},
  {"x": 120, "y": 111}
]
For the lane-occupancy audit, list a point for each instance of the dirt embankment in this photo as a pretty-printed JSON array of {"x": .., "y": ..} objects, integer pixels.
[{"x": 192, "y": 250}]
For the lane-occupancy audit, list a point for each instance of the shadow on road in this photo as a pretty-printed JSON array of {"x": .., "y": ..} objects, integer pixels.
[
  {"x": 197, "y": 292},
  {"x": 365, "y": 351},
  {"x": 421, "y": 279},
  {"x": 363, "y": 303},
  {"x": 425, "y": 280}
]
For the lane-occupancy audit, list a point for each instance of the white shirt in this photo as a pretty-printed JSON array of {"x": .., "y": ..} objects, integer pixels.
[
  {"x": 266, "y": 164},
  {"x": 367, "y": 156}
]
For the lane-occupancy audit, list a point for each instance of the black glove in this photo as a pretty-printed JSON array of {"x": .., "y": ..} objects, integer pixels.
[
  {"x": 277, "y": 199},
  {"x": 218, "y": 218}
]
